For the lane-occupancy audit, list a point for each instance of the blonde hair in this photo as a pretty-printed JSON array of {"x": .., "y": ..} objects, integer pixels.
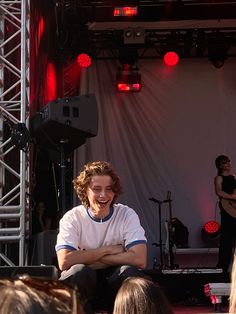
[
  {"x": 96, "y": 168},
  {"x": 232, "y": 297},
  {"x": 19, "y": 296}
]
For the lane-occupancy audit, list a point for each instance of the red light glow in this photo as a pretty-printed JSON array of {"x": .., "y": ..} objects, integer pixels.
[
  {"x": 50, "y": 83},
  {"x": 124, "y": 87},
  {"x": 171, "y": 58},
  {"x": 84, "y": 60},
  {"x": 211, "y": 227},
  {"x": 125, "y": 11}
]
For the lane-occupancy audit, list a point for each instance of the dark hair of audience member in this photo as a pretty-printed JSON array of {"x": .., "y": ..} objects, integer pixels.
[{"x": 141, "y": 296}]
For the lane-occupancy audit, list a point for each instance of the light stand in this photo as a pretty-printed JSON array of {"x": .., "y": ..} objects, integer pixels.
[{"x": 63, "y": 143}]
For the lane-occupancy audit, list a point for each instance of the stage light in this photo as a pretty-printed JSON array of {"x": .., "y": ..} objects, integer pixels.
[
  {"x": 20, "y": 136},
  {"x": 128, "y": 79},
  {"x": 84, "y": 60},
  {"x": 217, "y": 55},
  {"x": 171, "y": 58},
  {"x": 128, "y": 55},
  {"x": 125, "y": 11},
  {"x": 134, "y": 35},
  {"x": 211, "y": 232}
]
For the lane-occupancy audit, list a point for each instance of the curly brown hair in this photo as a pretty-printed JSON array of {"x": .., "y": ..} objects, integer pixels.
[{"x": 96, "y": 168}]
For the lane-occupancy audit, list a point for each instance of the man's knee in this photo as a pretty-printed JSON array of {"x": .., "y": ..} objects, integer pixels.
[
  {"x": 130, "y": 271},
  {"x": 81, "y": 276},
  {"x": 123, "y": 272}
]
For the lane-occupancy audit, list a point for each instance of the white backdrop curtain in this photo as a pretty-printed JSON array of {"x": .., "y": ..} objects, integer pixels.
[{"x": 165, "y": 138}]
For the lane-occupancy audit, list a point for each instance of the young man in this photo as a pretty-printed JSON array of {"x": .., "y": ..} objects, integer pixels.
[{"x": 100, "y": 243}]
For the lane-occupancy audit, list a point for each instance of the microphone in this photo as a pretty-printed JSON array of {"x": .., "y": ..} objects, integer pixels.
[
  {"x": 168, "y": 195},
  {"x": 154, "y": 200}
]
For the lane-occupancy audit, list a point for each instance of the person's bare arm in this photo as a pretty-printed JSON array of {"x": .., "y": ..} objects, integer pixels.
[
  {"x": 135, "y": 256},
  {"x": 219, "y": 192},
  {"x": 67, "y": 258}
]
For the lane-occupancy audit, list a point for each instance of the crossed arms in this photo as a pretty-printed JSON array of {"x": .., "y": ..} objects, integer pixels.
[{"x": 104, "y": 256}]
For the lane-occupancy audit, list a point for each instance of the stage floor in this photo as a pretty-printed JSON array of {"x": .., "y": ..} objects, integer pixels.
[{"x": 198, "y": 309}]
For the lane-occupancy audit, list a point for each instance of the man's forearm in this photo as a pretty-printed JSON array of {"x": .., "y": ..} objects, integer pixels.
[
  {"x": 67, "y": 258},
  {"x": 131, "y": 257}
]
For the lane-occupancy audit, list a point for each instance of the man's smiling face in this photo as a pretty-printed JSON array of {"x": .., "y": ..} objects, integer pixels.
[{"x": 100, "y": 195}]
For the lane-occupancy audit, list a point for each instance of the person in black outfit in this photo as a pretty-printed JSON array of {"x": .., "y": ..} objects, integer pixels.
[
  {"x": 225, "y": 185},
  {"x": 40, "y": 219}
]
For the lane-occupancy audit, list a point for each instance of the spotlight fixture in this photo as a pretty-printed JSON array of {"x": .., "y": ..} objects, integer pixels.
[
  {"x": 128, "y": 55},
  {"x": 20, "y": 136},
  {"x": 125, "y": 11},
  {"x": 217, "y": 55},
  {"x": 128, "y": 79},
  {"x": 211, "y": 232},
  {"x": 171, "y": 58},
  {"x": 134, "y": 35},
  {"x": 84, "y": 60}
]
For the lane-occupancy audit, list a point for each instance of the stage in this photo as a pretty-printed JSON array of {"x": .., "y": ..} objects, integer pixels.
[
  {"x": 197, "y": 309},
  {"x": 187, "y": 284}
]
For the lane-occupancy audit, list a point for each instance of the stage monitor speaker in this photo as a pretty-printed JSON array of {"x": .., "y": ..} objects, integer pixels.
[
  {"x": 49, "y": 272},
  {"x": 68, "y": 120}
]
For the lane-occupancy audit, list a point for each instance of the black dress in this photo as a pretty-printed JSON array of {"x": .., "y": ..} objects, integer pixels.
[{"x": 228, "y": 227}]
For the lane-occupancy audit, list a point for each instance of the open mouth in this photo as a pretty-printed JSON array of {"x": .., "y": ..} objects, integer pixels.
[{"x": 103, "y": 203}]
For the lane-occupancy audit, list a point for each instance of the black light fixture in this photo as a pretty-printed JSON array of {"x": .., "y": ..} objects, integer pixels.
[
  {"x": 217, "y": 49},
  {"x": 128, "y": 79},
  {"x": 20, "y": 136},
  {"x": 134, "y": 35},
  {"x": 125, "y": 9},
  {"x": 217, "y": 55},
  {"x": 211, "y": 233}
]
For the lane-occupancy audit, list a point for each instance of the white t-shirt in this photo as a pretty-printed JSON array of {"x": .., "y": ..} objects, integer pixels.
[{"x": 79, "y": 230}]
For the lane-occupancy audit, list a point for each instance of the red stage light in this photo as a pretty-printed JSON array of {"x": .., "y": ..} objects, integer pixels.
[
  {"x": 128, "y": 80},
  {"x": 171, "y": 58},
  {"x": 84, "y": 60},
  {"x": 125, "y": 11},
  {"x": 126, "y": 87},
  {"x": 211, "y": 233},
  {"x": 50, "y": 90},
  {"x": 212, "y": 227}
]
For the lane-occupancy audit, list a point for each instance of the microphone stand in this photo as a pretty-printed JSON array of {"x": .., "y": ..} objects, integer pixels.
[
  {"x": 170, "y": 239},
  {"x": 170, "y": 244},
  {"x": 160, "y": 234}
]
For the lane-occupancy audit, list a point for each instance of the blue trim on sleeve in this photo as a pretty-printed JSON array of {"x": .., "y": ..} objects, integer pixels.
[
  {"x": 135, "y": 243},
  {"x": 64, "y": 246}
]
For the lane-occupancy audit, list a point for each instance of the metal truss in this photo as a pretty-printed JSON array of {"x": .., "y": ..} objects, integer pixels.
[
  {"x": 75, "y": 11},
  {"x": 194, "y": 28},
  {"x": 14, "y": 116}
]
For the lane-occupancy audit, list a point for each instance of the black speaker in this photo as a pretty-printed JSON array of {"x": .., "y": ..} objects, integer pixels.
[
  {"x": 67, "y": 121},
  {"x": 49, "y": 272}
]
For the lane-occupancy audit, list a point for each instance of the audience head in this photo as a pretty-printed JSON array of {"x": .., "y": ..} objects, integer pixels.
[
  {"x": 141, "y": 296},
  {"x": 28, "y": 295}
]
